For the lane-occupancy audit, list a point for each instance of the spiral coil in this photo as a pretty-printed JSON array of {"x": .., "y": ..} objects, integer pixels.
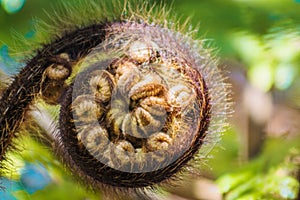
[{"x": 137, "y": 101}]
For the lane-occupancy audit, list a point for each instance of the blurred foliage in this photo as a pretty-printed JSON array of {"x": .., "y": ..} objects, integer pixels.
[
  {"x": 38, "y": 175},
  {"x": 273, "y": 182},
  {"x": 262, "y": 36}
]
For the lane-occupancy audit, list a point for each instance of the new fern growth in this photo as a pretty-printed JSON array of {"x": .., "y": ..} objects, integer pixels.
[{"x": 139, "y": 96}]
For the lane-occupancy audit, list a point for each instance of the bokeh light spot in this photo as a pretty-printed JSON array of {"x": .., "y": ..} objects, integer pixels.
[
  {"x": 284, "y": 76},
  {"x": 261, "y": 76},
  {"x": 12, "y": 6},
  {"x": 288, "y": 188}
]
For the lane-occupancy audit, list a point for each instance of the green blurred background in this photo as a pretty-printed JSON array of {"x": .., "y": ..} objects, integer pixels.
[{"x": 257, "y": 43}]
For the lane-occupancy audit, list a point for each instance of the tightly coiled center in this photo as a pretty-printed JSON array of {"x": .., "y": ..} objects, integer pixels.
[{"x": 136, "y": 117}]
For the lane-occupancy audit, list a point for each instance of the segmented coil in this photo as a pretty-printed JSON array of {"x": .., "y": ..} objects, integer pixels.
[
  {"x": 140, "y": 115},
  {"x": 137, "y": 101}
]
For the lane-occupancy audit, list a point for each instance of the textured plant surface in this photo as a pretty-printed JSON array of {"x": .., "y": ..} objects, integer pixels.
[{"x": 139, "y": 98}]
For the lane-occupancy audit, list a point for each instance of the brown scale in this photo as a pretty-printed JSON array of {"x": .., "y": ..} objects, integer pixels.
[
  {"x": 56, "y": 73},
  {"x": 86, "y": 109},
  {"x": 94, "y": 138},
  {"x": 102, "y": 84}
]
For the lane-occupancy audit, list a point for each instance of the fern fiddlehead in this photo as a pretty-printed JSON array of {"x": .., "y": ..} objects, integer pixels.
[{"x": 138, "y": 98}]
